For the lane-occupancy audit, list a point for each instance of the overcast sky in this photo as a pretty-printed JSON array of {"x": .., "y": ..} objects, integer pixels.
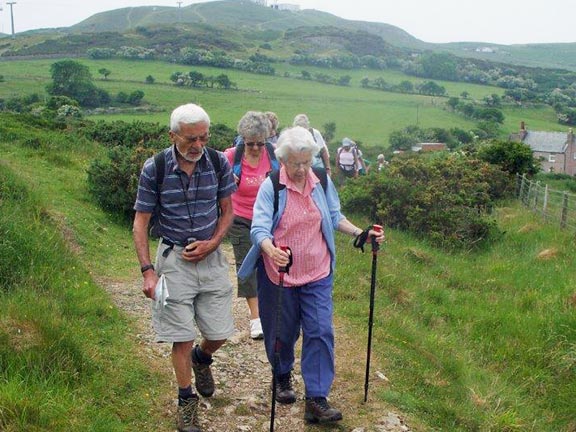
[{"x": 492, "y": 21}]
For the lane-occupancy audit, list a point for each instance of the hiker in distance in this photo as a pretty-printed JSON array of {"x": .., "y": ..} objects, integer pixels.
[
  {"x": 252, "y": 160},
  {"x": 299, "y": 208},
  {"x": 274, "y": 127},
  {"x": 322, "y": 158},
  {"x": 184, "y": 186}
]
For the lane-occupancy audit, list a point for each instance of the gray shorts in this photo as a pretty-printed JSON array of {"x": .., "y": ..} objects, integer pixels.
[
  {"x": 239, "y": 236},
  {"x": 200, "y": 295}
]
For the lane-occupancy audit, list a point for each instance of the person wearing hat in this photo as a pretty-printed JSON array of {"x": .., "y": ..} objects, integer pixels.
[{"x": 347, "y": 158}]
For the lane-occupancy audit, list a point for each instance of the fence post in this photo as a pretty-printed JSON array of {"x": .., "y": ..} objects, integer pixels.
[
  {"x": 522, "y": 183},
  {"x": 564, "y": 211},
  {"x": 536, "y": 192},
  {"x": 529, "y": 196},
  {"x": 545, "y": 204}
]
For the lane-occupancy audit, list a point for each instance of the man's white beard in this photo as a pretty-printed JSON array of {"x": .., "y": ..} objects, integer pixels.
[{"x": 187, "y": 159}]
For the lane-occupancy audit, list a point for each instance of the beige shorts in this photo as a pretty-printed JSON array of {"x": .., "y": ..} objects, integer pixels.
[{"x": 200, "y": 295}]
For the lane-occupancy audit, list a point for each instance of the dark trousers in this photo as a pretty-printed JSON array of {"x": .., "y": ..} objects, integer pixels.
[{"x": 307, "y": 308}]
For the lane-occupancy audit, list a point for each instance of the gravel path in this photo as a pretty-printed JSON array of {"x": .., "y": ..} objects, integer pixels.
[{"x": 242, "y": 374}]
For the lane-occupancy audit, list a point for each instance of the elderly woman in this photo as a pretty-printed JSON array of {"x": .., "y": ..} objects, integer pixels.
[
  {"x": 274, "y": 125},
  {"x": 305, "y": 221},
  {"x": 252, "y": 159}
]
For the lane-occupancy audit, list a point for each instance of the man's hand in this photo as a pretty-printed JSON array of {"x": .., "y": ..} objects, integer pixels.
[
  {"x": 199, "y": 250},
  {"x": 150, "y": 282}
]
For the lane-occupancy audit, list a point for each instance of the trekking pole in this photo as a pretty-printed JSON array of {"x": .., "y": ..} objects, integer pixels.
[
  {"x": 375, "y": 247},
  {"x": 281, "y": 272}
]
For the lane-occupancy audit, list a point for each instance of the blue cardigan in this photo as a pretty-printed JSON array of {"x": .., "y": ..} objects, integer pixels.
[{"x": 264, "y": 222}]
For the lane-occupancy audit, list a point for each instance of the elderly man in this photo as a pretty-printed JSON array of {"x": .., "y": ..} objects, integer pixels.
[{"x": 189, "y": 188}]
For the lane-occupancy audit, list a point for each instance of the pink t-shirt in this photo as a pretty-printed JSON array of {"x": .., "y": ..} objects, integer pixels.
[
  {"x": 250, "y": 180},
  {"x": 300, "y": 229}
]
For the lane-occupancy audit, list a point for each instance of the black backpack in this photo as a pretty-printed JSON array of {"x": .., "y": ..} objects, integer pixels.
[
  {"x": 275, "y": 177},
  {"x": 160, "y": 166}
]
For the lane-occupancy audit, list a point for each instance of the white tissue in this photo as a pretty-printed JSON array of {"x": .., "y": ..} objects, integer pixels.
[{"x": 161, "y": 292}]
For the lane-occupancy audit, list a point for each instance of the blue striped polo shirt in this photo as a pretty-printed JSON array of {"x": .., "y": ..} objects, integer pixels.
[{"x": 189, "y": 204}]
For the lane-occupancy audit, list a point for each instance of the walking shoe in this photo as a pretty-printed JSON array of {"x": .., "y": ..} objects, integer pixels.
[
  {"x": 285, "y": 394},
  {"x": 187, "y": 417},
  {"x": 319, "y": 411},
  {"x": 203, "y": 379},
  {"x": 256, "y": 329}
]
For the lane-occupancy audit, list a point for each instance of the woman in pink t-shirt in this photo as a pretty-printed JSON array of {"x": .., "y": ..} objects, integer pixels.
[{"x": 252, "y": 159}]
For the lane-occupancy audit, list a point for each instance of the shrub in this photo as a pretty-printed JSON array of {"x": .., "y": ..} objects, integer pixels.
[
  {"x": 126, "y": 134},
  {"x": 444, "y": 198},
  {"x": 512, "y": 157},
  {"x": 113, "y": 181}
]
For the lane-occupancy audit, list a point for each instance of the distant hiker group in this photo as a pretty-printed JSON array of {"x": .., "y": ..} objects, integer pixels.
[{"x": 273, "y": 198}]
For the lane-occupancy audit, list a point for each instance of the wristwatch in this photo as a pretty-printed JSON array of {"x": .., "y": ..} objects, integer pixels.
[{"x": 146, "y": 267}]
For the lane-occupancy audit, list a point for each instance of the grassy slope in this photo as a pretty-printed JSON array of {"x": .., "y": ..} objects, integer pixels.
[
  {"x": 479, "y": 341},
  {"x": 69, "y": 360}
]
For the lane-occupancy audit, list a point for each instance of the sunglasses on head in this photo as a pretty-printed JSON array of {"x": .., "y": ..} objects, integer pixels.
[{"x": 259, "y": 144}]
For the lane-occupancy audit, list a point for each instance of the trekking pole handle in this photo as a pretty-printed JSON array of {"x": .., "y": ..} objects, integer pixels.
[
  {"x": 286, "y": 268},
  {"x": 375, "y": 245}
]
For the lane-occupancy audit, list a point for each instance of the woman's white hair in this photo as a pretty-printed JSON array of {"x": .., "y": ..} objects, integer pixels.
[
  {"x": 295, "y": 140},
  {"x": 301, "y": 120},
  {"x": 188, "y": 114}
]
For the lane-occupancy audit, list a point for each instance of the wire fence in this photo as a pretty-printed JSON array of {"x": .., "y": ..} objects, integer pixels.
[{"x": 554, "y": 206}]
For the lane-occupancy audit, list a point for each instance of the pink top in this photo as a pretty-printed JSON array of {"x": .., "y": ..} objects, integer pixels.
[
  {"x": 250, "y": 180},
  {"x": 300, "y": 229}
]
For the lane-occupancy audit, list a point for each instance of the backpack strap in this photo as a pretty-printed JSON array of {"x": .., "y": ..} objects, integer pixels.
[
  {"x": 239, "y": 152},
  {"x": 160, "y": 165},
  {"x": 275, "y": 177},
  {"x": 214, "y": 158}
]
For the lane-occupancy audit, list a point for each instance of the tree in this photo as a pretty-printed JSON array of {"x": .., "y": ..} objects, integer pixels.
[
  {"x": 344, "y": 80},
  {"x": 196, "y": 78},
  {"x": 150, "y": 79},
  {"x": 135, "y": 98},
  {"x": 512, "y": 157},
  {"x": 406, "y": 87},
  {"x": 223, "y": 81},
  {"x": 104, "y": 72},
  {"x": 73, "y": 79}
]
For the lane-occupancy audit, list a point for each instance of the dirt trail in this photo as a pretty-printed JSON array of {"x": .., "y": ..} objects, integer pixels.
[{"x": 242, "y": 374}]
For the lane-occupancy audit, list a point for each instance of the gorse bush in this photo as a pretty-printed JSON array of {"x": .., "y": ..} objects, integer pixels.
[
  {"x": 445, "y": 198},
  {"x": 113, "y": 181},
  {"x": 120, "y": 133}
]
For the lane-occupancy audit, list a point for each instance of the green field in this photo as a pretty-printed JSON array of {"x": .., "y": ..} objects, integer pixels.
[{"x": 366, "y": 115}]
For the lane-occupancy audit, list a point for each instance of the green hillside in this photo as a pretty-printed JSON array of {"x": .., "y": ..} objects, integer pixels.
[{"x": 247, "y": 17}]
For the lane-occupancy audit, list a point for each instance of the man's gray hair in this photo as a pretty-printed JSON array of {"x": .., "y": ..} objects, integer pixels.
[
  {"x": 301, "y": 120},
  {"x": 188, "y": 114},
  {"x": 295, "y": 140},
  {"x": 254, "y": 125}
]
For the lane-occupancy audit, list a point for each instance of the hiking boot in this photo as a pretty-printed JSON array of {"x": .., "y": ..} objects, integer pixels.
[
  {"x": 319, "y": 411},
  {"x": 256, "y": 329},
  {"x": 187, "y": 417},
  {"x": 285, "y": 394},
  {"x": 203, "y": 379}
]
